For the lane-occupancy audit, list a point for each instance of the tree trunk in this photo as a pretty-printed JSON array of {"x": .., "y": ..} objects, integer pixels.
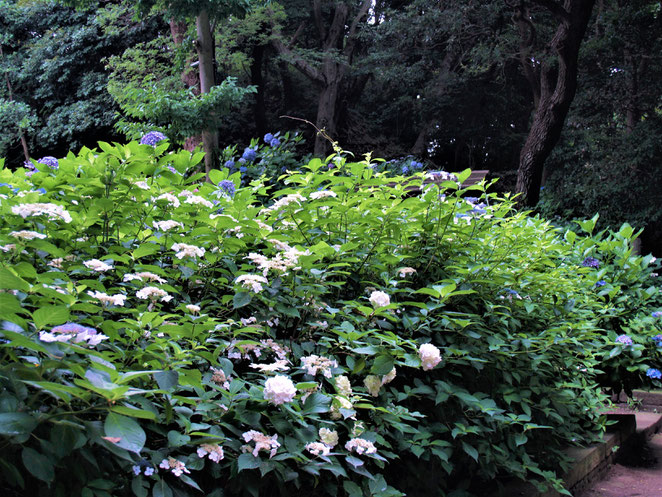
[
  {"x": 190, "y": 78},
  {"x": 557, "y": 83},
  {"x": 24, "y": 142},
  {"x": 258, "y": 81},
  {"x": 326, "y": 116},
  {"x": 205, "y": 48}
]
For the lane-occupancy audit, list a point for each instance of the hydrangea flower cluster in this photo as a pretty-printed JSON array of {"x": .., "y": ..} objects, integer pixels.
[
  {"x": 430, "y": 356},
  {"x": 138, "y": 468},
  {"x": 379, "y": 299},
  {"x": 153, "y": 138},
  {"x": 51, "y": 162},
  {"x": 73, "y": 332},
  {"x": 262, "y": 442},
  {"x": 591, "y": 262},
  {"x": 249, "y": 154},
  {"x": 97, "y": 265},
  {"x": 213, "y": 451},
  {"x": 600, "y": 283},
  {"x": 657, "y": 314},
  {"x": 252, "y": 282},
  {"x": 153, "y": 293},
  {"x": 184, "y": 250},
  {"x": 624, "y": 340},
  {"x": 227, "y": 188},
  {"x": 177, "y": 467},
  {"x": 361, "y": 446},
  {"x": 27, "y": 235},
  {"x": 654, "y": 373},
  {"x": 658, "y": 340},
  {"x": 52, "y": 211},
  {"x": 279, "y": 390},
  {"x": 108, "y": 299},
  {"x": 314, "y": 363}
]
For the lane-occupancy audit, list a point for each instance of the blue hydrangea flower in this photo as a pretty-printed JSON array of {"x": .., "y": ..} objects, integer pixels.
[
  {"x": 654, "y": 373},
  {"x": 416, "y": 165},
  {"x": 600, "y": 283},
  {"x": 591, "y": 262},
  {"x": 229, "y": 164},
  {"x": 274, "y": 143},
  {"x": 153, "y": 138},
  {"x": 12, "y": 188},
  {"x": 149, "y": 471},
  {"x": 405, "y": 170},
  {"x": 658, "y": 339},
  {"x": 657, "y": 314},
  {"x": 136, "y": 470},
  {"x": 624, "y": 339},
  {"x": 243, "y": 169},
  {"x": 268, "y": 137},
  {"x": 227, "y": 187},
  {"x": 49, "y": 161},
  {"x": 249, "y": 154}
]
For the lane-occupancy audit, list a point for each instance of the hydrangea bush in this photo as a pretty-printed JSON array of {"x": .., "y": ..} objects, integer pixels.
[{"x": 166, "y": 336}]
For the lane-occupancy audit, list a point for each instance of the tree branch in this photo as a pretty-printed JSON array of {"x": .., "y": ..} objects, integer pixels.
[
  {"x": 351, "y": 39},
  {"x": 317, "y": 19},
  {"x": 555, "y": 8}
]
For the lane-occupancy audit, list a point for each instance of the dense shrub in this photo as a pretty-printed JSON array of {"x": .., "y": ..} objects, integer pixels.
[{"x": 163, "y": 335}]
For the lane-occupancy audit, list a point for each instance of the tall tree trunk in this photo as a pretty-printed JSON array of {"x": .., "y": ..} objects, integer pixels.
[
  {"x": 21, "y": 134},
  {"x": 205, "y": 48},
  {"x": 258, "y": 80},
  {"x": 557, "y": 84},
  {"x": 326, "y": 115},
  {"x": 190, "y": 78}
]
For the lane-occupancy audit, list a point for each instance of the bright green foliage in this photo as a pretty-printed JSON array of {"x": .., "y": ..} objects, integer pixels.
[{"x": 503, "y": 296}]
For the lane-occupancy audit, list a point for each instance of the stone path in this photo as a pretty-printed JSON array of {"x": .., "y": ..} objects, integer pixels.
[{"x": 624, "y": 481}]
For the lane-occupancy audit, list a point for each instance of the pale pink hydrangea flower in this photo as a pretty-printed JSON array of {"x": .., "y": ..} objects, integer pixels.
[
  {"x": 262, "y": 442},
  {"x": 252, "y": 281},
  {"x": 379, "y": 299},
  {"x": 27, "y": 235},
  {"x": 144, "y": 275},
  {"x": 177, "y": 467},
  {"x": 263, "y": 226},
  {"x": 404, "y": 271},
  {"x": 8, "y": 248},
  {"x": 318, "y": 448},
  {"x": 278, "y": 365},
  {"x": 218, "y": 377},
  {"x": 430, "y": 356},
  {"x": 185, "y": 250},
  {"x": 53, "y": 211},
  {"x": 343, "y": 386},
  {"x": 73, "y": 332},
  {"x": 196, "y": 200},
  {"x": 322, "y": 194},
  {"x": 153, "y": 293},
  {"x": 108, "y": 299},
  {"x": 314, "y": 363},
  {"x": 279, "y": 390},
  {"x": 328, "y": 437},
  {"x": 97, "y": 265},
  {"x": 361, "y": 446},
  {"x": 169, "y": 197},
  {"x": 142, "y": 185},
  {"x": 167, "y": 225},
  {"x": 192, "y": 308},
  {"x": 214, "y": 451}
]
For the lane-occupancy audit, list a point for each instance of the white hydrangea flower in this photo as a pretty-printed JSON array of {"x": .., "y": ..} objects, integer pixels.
[
  {"x": 196, "y": 200},
  {"x": 175, "y": 466},
  {"x": 322, "y": 194},
  {"x": 167, "y": 225},
  {"x": 279, "y": 390},
  {"x": 379, "y": 299},
  {"x": 389, "y": 377},
  {"x": 278, "y": 365},
  {"x": 318, "y": 448},
  {"x": 169, "y": 197},
  {"x": 153, "y": 293},
  {"x": 252, "y": 281},
  {"x": 27, "y": 235},
  {"x": 53, "y": 211},
  {"x": 328, "y": 437},
  {"x": 193, "y": 309},
  {"x": 97, "y": 265},
  {"x": 108, "y": 299},
  {"x": 373, "y": 384},
  {"x": 184, "y": 250},
  {"x": 142, "y": 185},
  {"x": 430, "y": 356},
  {"x": 404, "y": 271},
  {"x": 343, "y": 386},
  {"x": 215, "y": 452},
  {"x": 361, "y": 446},
  {"x": 314, "y": 363},
  {"x": 144, "y": 275}
]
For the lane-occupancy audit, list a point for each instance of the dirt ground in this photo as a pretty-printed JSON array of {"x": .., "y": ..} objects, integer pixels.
[{"x": 622, "y": 481}]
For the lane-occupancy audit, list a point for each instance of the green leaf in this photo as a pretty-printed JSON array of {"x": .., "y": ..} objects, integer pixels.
[
  {"x": 10, "y": 281},
  {"x": 161, "y": 489},
  {"x": 131, "y": 435},
  {"x": 352, "y": 489},
  {"x": 241, "y": 299},
  {"x": 470, "y": 450},
  {"x": 166, "y": 380},
  {"x": 247, "y": 461},
  {"x": 38, "y": 465},
  {"x": 16, "y": 423},
  {"x": 50, "y": 315},
  {"x": 146, "y": 249},
  {"x": 133, "y": 412},
  {"x": 382, "y": 365}
]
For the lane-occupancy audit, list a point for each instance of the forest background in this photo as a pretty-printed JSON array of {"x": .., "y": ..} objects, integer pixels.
[{"x": 567, "y": 93}]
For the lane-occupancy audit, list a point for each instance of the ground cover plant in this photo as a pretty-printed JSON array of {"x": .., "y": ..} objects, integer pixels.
[{"x": 167, "y": 336}]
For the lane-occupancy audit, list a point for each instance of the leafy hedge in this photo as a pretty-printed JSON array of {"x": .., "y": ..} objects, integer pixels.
[{"x": 165, "y": 336}]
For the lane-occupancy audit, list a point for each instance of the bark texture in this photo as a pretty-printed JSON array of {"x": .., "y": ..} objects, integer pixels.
[
  {"x": 205, "y": 48},
  {"x": 555, "y": 84}
]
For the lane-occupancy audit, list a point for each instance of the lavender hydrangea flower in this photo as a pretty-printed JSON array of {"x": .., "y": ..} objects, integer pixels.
[
  {"x": 268, "y": 137},
  {"x": 274, "y": 143},
  {"x": 229, "y": 164},
  {"x": 658, "y": 339},
  {"x": 600, "y": 283},
  {"x": 654, "y": 373},
  {"x": 227, "y": 187},
  {"x": 49, "y": 161},
  {"x": 624, "y": 339},
  {"x": 591, "y": 262},
  {"x": 657, "y": 314},
  {"x": 153, "y": 138},
  {"x": 249, "y": 154}
]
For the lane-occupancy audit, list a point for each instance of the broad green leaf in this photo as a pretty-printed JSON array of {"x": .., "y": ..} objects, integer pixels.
[
  {"x": 38, "y": 465},
  {"x": 16, "y": 423},
  {"x": 131, "y": 435}
]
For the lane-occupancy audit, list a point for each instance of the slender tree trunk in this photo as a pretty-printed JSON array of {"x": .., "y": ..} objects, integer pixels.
[
  {"x": 190, "y": 77},
  {"x": 557, "y": 83},
  {"x": 326, "y": 116},
  {"x": 258, "y": 80},
  {"x": 21, "y": 134},
  {"x": 205, "y": 48}
]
